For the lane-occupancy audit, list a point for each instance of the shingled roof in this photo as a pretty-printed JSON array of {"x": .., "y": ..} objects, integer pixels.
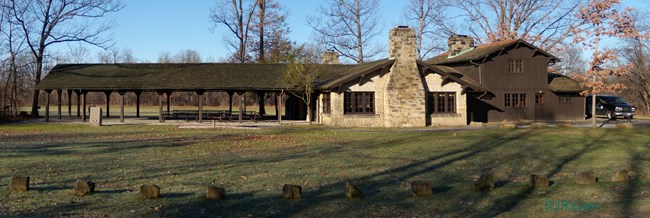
[
  {"x": 184, "y": 77},
  {"x": 562, "y": 83},
  {"x": 482, "y": 51}
]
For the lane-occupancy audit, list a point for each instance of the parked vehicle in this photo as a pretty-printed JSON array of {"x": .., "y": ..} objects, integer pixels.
[{"x": 611, "y": 106}]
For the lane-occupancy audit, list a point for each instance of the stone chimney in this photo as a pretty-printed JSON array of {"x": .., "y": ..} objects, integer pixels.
[
  {"x": 404, "y": 98},
  {"x": 330, "y": 57},
  {"x": 459, "y": 43}
]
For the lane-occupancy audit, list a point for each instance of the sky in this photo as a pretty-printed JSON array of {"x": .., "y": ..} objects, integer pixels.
[{"x": 150, "y": 27}]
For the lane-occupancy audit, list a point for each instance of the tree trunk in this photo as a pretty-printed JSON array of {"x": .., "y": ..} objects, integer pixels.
[{"x": 39, "y": 69}]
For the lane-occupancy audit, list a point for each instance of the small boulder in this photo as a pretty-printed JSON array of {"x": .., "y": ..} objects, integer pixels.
[
  {"x": 422, "y": 188},
  {"x": 351, "y": 191},
  {"x": 586, "y": 177},
  {"x": 83, "y": 188},
  {"x": 149, "y": 191},
  {"x": 215, "y": 193},
  {"x": 621, "y": 176},
  {"x": 20, "y": 183},
  {"x": 485, "y": 183},
  {"x": 507, "y": 126},
  {"x": 538, "y": 181},
  {"x": 291, "y": 191}
]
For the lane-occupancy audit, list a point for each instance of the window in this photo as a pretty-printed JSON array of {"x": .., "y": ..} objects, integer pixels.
[
  {"x": 515, "y": 66},
  {"x": 539, "y": 98},
  {"x": 564, "y": 99},
  {"x": 359, "y": 103},
  {"x": 327, "y": 105},
  {"x": 517, "y": 100},
  {"x": 442, "y": 102}
]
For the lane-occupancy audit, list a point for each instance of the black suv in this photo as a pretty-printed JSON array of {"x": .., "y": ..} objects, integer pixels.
[{"x": 611, "y": 106}]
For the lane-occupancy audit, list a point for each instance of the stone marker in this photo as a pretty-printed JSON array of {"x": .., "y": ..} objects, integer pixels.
[
  {"x": 485, "y": 183},
  {"x": 586, "y": 177},
  {"x": 351, "y": 191},
  {"x": 422, "y": 188},
  {"x": 538, "y": 181},
  {"x": 20, "y": 183},
  {"x": 96, "y": 116},
  {"x": 538, "y": 125},
  {"x": 291, "y": 191},
  {"x": 215, "y": 193},
  {"x": 621, "y": 176},
  {"x": 149, "y": 191},
  {"x": 83, "y": 187}
]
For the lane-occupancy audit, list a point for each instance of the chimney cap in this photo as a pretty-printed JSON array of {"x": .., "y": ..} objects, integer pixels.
[{"x": 402, "y": 27}]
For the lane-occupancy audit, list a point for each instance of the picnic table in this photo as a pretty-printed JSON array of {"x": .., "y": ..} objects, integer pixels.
[{"x": 220, "y": 115}]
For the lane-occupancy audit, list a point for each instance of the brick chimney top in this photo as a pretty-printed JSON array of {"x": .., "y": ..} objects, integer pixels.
[
  {"x": 459, "y": 43},
  {"x": 330, "y": 57}
]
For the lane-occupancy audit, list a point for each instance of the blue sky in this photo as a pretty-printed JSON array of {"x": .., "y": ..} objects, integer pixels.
[{"x": 149, "y": 27}]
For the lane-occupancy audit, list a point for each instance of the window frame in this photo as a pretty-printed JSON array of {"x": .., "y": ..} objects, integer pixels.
[
  {"x": 562, "y": 99},
  {"x": 515, "y": 66},
  {"x": 442, "y": 102},
  {"x": 515, "y": 100},
  {"x": 353, "y": 103},
  {"x": 327, "y": 103}
]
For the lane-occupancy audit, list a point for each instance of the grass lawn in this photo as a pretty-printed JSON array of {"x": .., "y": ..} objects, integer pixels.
[{"x": 252, "y": 165}]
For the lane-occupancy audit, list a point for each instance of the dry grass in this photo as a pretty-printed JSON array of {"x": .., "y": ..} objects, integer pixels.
[{"x": 254, "y": 164}]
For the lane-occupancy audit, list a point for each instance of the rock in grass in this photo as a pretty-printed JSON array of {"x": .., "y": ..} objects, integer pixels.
[
  {"x": 149, "y": 191},
  {"x": 20, "y": 183},
  {"x": 83, "y": 187},
  {"x": 538, "y": 125},
  {"x": 215, "y": 193},
  {"x": 485, "y": 183},
  {"x": 508, "y": 126},
  {"x": 352, "y": 191},
  {"x": 621, "y": 176},
  {"x": 422, "y": 188},
  {"x": 538, "y": 181},
  {"x": 586, "y": 177},
  {"x": 291, "y": 191}
]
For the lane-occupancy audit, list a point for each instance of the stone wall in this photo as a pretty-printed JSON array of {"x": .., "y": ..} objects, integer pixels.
[
  {"x": 433, "y": 82},
  {"x": 459, "y": 43},
  {"x": 330, "y": 57}
]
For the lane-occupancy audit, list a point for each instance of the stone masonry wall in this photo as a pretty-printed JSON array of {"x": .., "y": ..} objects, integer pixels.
[{"x": 460, "y": 117}]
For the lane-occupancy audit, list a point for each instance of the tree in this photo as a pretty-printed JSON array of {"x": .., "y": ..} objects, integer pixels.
[
  {"x": 603, "y": 20},
  {"x": 269, "y": 33},
  {"x": 237, "y": 19},
  {"x": 48, "y": 22},
  {"x": 430, "y": 36},
  {"x": 635, "y": 54},
  {"x": 544, "y": 23},
  {"x": 301, "y": 75},
  {"x": 348, "y": 27},
  {"x": 114, "y": 56}
]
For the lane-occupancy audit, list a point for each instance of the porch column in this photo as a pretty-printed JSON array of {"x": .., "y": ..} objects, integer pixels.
[
  {"x": 200, "y": 97},
  {"x": 279, "y": 108},
  {"x": 241, "y": 106},
  {"x": 108, "y": 103},
  {"x": 169, "y": 94},
  {"x": 122, "y": 106},
  {"x": 59, "y": 92},
  {"x": 230, "y": 93},
  {"x": 137, "y": 103},
  {"x": 47, "y": 105},
  {"x": 83, "y": 117},
  {"x": 69, "y": 103},
  {"x": 260, "y": 101},
  {"x": 78, "y": 93},
  {"x": 160, "y": 107}
]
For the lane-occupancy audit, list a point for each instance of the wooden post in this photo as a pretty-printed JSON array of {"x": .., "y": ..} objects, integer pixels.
[
  {"x": 137, "y": 103},
  {"x": 160, "y": 107},
  {"x": 47, "y": 105},
  {"x": 78, "y": 102},
  {"x": 122, "y": 106},
  {"x": 108, "y": 103},
  {"x": 83, "y": 117},
  {"x": 230, "y": 93},
  {"x": 241, "y": 106},
  {"x": 59, "y": 92},
  {"x": 69, "y": 103},
  {"x": 169, "y": 94},
  {"x": 260, "y": 101},
  {"x": 279, "y": 97},
  {"x": 276, "y": 103},
  {"x": 200, "y": 94}
]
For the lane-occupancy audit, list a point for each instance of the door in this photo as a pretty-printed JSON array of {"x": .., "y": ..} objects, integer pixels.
[{"x": 540, "y": 112}]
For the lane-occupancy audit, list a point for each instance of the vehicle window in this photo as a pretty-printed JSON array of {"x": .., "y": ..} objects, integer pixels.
[{"x": 614, "y": 100}]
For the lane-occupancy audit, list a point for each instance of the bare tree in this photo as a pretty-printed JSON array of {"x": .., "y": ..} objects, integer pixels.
[
  {"x": 635, "y": 54},
  {"x": 48, "y": 22},
  {"x": 427, "y": 16},
  {"x": 114, "y": 56},
  {"x": 188, "y": 56},
  {"x": 237, "y": 18},
  {"x": 542, "y": 22},
  {"x": 301, "y": 75},
  {"x": 348, "y": 27},
  {"x": 269, "y": 32}
]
